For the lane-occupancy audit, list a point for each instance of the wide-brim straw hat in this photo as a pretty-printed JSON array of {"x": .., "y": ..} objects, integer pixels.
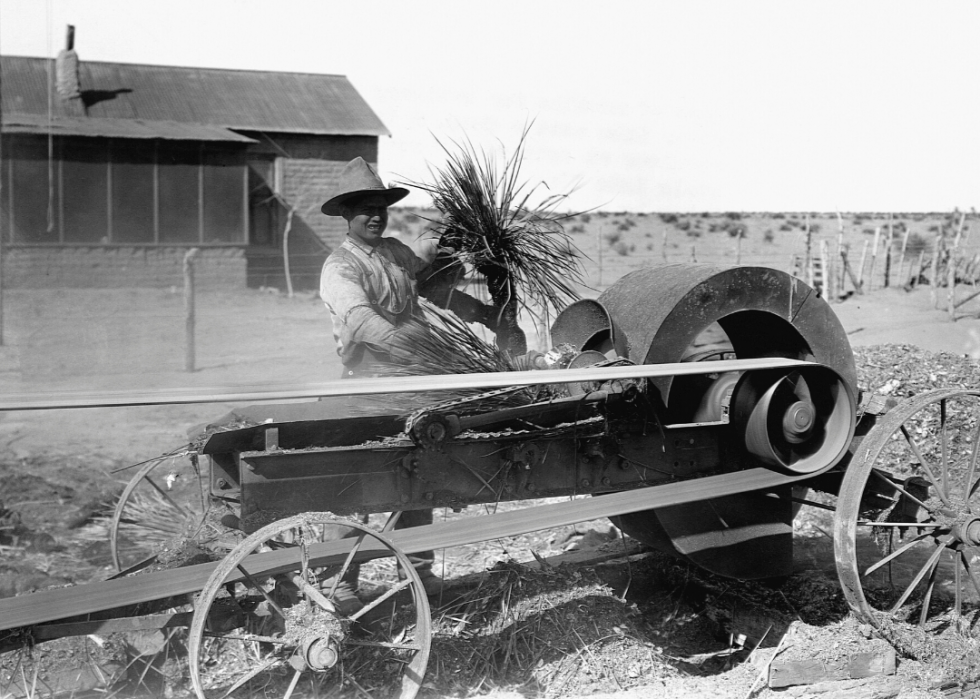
[{"x": 356, "y": 179}]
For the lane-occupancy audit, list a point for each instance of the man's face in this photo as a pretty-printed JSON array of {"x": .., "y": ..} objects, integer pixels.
[{"x": 367, "y": 218}]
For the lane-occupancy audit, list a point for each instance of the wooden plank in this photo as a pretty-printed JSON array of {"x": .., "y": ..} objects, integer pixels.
[
  {"x": 65, "y": 602},
  {"x": 383, "y": 385},
  {"x": 786, "y": 673}
]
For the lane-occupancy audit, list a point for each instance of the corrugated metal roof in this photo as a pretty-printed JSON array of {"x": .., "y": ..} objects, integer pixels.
[
  {"x": 234, "y": 99},
  {"x": 118, "y": 128}
]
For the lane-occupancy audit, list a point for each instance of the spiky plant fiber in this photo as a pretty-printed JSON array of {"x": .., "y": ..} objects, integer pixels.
[
  {"x": 522, "y": 250},
  {"x": 444, "y": 344}
]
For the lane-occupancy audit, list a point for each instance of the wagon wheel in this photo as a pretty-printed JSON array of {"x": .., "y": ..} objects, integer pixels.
[
  {"x": 165, "y": 499},
  {"x": 261, "y": 633},
  {"x": 907, "y": 527}
]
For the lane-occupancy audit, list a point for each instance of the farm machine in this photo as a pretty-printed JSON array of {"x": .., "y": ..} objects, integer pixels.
[{"x": 700, "y": 406}]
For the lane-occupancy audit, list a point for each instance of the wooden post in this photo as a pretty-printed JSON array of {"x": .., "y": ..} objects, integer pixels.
[
  {"x": 951, "y": 288},
  {"x": 825, "y": 264},
  {"x": 738, "y": 249},
  {"x": 663, "y": 247},
  {"x": 901, "y": 259},
  {"x": 846, "y": 265},
  {"x": 839, "y": 279},
  {"x": 694, "y": 253},
  {"x": 918, "y": 267},
  {"x": 937, "y": 250},
  {"x": 864, "y": 256},
  {"x": 809, "y": 255},
  {"x": 189, "y": 355},
  {"x": 888, "y": 254},
  {"x": 874, "y": 258},
  {"x": 285, "y": 251},
  {"x": 598, "y": 245},
  {"x": 951, "y": 270}
]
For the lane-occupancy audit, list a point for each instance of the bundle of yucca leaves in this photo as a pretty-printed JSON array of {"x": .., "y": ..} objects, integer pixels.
[
  {"x": 522, "y": 250},
  {"x": 444, "y": 344}
]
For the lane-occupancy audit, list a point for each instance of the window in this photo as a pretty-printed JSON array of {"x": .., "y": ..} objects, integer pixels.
[
  {"x": 132, "y": 193},
  {"x": 124, "y": 192},
  {"x": 84, "y": 192},
  {"x": 178, "y": 170},
  {"x": 223, "y": 176},
  {"x": 26, "y": 192}
]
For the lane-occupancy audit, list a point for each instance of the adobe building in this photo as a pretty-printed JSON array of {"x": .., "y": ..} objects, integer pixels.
[{"x": 112, "y": 172}]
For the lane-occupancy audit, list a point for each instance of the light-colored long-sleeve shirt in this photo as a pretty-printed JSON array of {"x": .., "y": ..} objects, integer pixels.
[{"x": 369, "y": 293}]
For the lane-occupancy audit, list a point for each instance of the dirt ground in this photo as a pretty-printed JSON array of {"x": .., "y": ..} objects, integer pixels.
[{"x": 64, "y": 461}]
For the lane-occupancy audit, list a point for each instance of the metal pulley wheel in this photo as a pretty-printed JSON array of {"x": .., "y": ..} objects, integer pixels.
[
  {"x": 797, "y": 422},
  {"x": 354, "y": 627},
  {"x": 907, "y": 526}
]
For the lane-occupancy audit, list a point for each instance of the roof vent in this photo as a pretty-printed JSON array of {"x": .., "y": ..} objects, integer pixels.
[{"x": 66, "y": 69}]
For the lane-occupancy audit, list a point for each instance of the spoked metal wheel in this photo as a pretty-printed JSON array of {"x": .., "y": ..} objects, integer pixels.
[
  {"x": 164, "y": 500},
  {"x": 907, "y": 528},
  {"x": 300, "y": 627}
]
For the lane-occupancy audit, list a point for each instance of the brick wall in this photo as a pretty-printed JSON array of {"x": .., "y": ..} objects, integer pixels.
[
  {"x": 311, "y": 166},
  {"x": 109, "y": 267}
]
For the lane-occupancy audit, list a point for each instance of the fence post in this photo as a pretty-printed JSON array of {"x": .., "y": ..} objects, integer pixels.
[
  {"x": 839, "y": 258},
  {"x": 598, "y": 246},
  {"x": 874, "y": 258},
  {"x": 901, "y": 259},
  {"x": 827, "y": 274},
  {"x": 846, "y": 265},
  {"x": 951, "y": 270},
  {"x": 694, "y": 253},
  {"x": 864, "y": 256},
  {"x": 937, "y": 250},
  {"x": 663, "y": 247},
  {"x": 888, "y": 253},
  {"x": 285, "y": 251},
  {"x": 189, "y": 355},
  {"x": 951, "y": 288},
  {"x": 809, "y": 256}
]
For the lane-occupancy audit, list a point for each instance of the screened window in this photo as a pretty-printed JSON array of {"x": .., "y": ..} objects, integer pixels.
[
  {"x": 124, "y": 192},
  {"x": 179, "y": 172},
  {"x": 30, "y": 203},
  {"x": 84, "y": 193},
  {"x": 132, "y": 194},
  {"x": 224, "y": 204}
]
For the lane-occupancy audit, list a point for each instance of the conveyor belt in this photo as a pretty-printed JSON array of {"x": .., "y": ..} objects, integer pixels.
[
  {"x": 401, "y": 384},
  {"x": 63, "y": 603}
]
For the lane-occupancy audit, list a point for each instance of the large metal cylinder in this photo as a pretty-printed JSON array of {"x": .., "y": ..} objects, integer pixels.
[{"x": 667, "y": 314}]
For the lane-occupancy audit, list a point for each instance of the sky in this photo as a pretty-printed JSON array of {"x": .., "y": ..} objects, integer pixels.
[{"x": 690, "y": 105}]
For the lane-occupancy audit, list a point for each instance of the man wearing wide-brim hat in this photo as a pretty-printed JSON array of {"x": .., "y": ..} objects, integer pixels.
[
  {"x": 369, "y": 282},
  {"x": 369, "y": 286}
]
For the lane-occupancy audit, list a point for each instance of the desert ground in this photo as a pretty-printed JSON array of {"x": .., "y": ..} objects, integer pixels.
[{"x": 60, "y": 466}]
